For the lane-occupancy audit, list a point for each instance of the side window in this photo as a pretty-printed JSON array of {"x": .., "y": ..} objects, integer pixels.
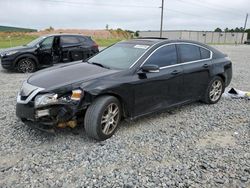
[
  {"x": 47, "y": 43},
  {"x": 189, "y": 52},
  {"x": 164, "y": 56},
  {"x": 69, "y": 40},
  {"x": 205, "y": 54}
]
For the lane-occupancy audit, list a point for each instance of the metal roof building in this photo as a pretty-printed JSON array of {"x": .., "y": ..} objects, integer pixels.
[{"x": 200, "y": 36}]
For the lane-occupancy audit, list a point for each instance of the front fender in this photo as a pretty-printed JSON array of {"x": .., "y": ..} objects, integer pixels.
[
  {"x": 121, "y": 91},
  {"x": 28, "y": 55}
]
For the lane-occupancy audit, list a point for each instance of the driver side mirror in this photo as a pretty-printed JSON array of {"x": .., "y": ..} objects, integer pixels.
[
  {"x": 150, "y": 68},
  {"x": 38, "y": 45}
]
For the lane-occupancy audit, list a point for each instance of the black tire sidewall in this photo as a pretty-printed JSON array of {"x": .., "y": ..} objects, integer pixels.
[
  {"x": 21, "y": 60},
  {"x": 207, "y": 97},
  {"x": 103, "y": 103}
]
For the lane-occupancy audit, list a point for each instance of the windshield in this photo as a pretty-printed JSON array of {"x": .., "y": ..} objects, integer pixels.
[
  {"x": 119, "y": 56},
  {"x": 35, "y": 42}
]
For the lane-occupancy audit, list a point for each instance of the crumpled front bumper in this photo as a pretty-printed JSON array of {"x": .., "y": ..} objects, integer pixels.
[{"x": 46, "y": 118}]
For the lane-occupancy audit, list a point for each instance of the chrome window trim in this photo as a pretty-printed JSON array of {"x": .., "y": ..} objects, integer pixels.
[
  {"x": 144, "y": 54},
  {"x": 178, "y": 64}
]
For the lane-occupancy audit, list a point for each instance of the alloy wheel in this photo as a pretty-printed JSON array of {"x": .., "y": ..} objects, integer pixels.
[
  {"x": 110, "y": 118},
  {"x": 215, "y": 91},
  {"x": 26, "y": 66}
]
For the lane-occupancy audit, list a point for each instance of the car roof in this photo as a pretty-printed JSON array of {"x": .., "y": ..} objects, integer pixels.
[
  {"x": 161, "y": 41},
  {"x": 143, "y": 41},
  {"x": 155, "y": 40},
  {"x": 64, "y": 34}
]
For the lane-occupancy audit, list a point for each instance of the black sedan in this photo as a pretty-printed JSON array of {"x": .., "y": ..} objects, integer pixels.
[
  {"x": 48, "y": 50},
  {"x": 127, "y": 80}
]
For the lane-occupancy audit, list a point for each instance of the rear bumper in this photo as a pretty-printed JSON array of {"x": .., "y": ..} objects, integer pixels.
[{"x": 228, "y": 74}]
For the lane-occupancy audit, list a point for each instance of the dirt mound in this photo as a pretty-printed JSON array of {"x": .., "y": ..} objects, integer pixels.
[{"x": 93, "y": 33}]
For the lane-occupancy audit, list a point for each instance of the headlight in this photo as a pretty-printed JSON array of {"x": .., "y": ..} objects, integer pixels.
[
  {"x": 52, "y": 98},
  {"x": 46, "y": 99},
  {"x": 10, "y": 53}
]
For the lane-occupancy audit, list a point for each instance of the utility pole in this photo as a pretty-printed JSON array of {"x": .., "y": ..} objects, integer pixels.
[
  {"x": 242, "y": 36},
  {"x": 162, "y": 7}
]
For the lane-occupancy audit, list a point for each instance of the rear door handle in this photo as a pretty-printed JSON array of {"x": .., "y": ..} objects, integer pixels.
[
  {"x": 206, "y": 65},
  {"x": 175, "y": 72}
]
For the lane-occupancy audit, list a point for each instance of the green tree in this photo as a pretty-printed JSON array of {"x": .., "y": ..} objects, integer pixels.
[
  {"x": 237, "y": 29},
  {"x": 50, "y": 29},
  {"x": 226, "y": 30},
  {"x": 107, "y": 26},
  {"x": 218, "y": 29},
  {"x": 248, "y": 33},
  {"x": 137, "y": 33}
]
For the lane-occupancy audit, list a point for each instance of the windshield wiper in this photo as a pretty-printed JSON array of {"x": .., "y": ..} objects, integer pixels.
[{"x": 99, "y": 64}]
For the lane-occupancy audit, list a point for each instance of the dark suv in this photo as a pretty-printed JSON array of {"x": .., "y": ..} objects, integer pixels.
[{"x": 48, "y": 50}]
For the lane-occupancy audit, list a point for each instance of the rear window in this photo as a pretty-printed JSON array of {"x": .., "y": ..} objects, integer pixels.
[
  {"x": 68, "y": 40},
  {"x": 82, "y": 39},
  {"x": 189, "y": 52}
]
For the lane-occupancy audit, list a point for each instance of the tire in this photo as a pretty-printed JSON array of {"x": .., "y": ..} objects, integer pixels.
[
  {"x": 100, "y": 111},
  {"x": 214, "y": 83},
  {"x": 26, "y": 65}
]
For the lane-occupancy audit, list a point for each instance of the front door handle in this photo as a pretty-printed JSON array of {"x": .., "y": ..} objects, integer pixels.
[
  {"x": 175, "y": 72},
  {"x": 205, "y": 65}
]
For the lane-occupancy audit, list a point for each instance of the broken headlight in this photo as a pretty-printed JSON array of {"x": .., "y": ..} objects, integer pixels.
[
  {"x": 74, "y": 96},
  {"x": 46, "y": 99},
  {"x": 50, "y": 99}
]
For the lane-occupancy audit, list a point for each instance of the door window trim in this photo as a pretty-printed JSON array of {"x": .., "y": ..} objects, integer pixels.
[
  {"x": 143, "y": 54},
  {"x": 184, "y": 63}
]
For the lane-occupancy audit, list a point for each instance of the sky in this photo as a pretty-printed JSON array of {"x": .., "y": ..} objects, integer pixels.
[{"x": 126, "y": 14}]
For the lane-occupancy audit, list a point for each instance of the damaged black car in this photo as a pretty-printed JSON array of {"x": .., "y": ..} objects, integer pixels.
[{"x": 125, "y": 81}]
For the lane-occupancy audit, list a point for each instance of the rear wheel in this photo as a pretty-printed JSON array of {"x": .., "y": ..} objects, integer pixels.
[
  {"x": 26, "y": 65},
  {"x": 102, "y": 117},
  {"x": 214, "y": 90}
]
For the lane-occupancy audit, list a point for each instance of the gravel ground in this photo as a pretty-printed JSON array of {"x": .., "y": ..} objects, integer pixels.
[{"x": 196, "y": 145}]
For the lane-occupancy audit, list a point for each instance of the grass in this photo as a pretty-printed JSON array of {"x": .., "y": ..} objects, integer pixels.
[
  {"x": 18, "y": 40},
  {"x": 107, "y": 42}
]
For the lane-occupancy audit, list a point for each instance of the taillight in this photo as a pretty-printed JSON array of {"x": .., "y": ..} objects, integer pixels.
[{"x": 95, "y": 45}]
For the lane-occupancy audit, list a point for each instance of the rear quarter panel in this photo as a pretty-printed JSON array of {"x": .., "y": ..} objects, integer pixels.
[{"x": 223, "y": 67}]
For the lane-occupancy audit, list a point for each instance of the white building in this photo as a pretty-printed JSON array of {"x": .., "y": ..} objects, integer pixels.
[{"x": 201, "y": 36}]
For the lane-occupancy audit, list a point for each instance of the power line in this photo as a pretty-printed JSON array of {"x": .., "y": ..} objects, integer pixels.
[
  {"x": 122, "y": 5},
  {"x": 218, "y": 10},
  {"x": 217, "y": 4},
  {"x": 100, "y": 4},
  {"x": 87, "y": 3}
]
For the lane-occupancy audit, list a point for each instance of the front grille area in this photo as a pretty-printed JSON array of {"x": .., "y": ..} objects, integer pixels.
[{"x": 28, "y": 92}]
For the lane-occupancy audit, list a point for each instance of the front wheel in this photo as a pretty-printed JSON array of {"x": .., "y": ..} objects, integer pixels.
[
  {"x": 102, "y": 117},
  {"x": 26, "y": 65},
  {"x": 214, "y": 90}
]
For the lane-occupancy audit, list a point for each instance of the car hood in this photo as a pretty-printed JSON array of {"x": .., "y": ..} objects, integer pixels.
[
  {"x": 64, "y": 75},
  {"x": 18, "y": 48}
]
